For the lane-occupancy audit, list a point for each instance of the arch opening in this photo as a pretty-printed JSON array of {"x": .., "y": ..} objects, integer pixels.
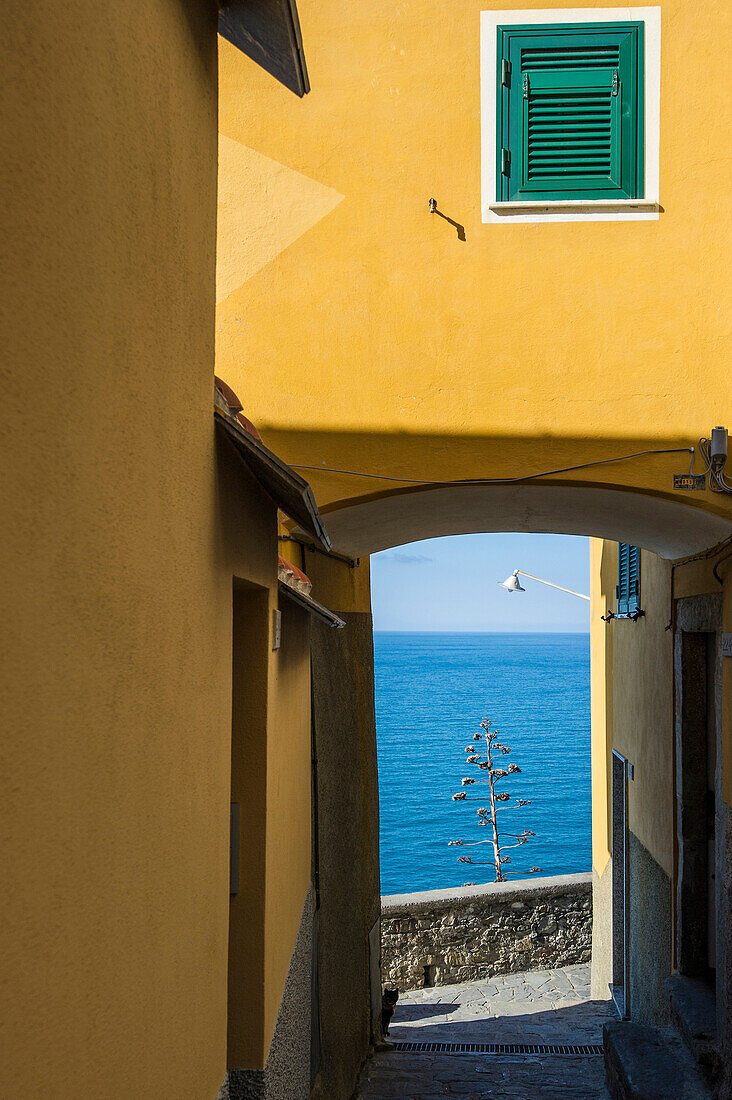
[
  {"x": 452, "y": 649},
  {"x": 668, "y": 527}
]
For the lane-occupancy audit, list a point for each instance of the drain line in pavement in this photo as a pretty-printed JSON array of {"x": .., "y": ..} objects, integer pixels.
[{"x": 499, "y": 1048}]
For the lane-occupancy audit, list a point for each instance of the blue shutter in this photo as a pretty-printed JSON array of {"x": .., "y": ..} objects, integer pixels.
[{"x": 628, "y": 578}]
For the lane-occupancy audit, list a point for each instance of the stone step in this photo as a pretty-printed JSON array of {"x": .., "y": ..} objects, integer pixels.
[
  {"x": 650, "y": 1063},
  {"x": 694, "y": 1015}
]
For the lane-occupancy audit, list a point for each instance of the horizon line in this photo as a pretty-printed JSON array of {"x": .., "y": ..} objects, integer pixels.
[{"x": 415, "y": 631}]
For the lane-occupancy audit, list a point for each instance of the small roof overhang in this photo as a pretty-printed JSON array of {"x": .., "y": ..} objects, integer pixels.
[
  {"x": 311, "y": 605},
  {"x": 268, "y": 31},
  {"x": 290, "y": 492}
]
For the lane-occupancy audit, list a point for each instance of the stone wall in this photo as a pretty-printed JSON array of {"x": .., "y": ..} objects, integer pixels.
[{"x": 442, "y": 936}]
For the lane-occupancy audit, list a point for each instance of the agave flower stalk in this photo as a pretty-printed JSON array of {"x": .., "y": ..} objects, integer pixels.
[{"x": 485, "y": 760}]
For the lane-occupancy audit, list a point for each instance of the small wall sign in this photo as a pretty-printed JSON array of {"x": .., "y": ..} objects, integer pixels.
[
  {"x": 727, "y": 645},
  {"x": 693, "y": 482}
]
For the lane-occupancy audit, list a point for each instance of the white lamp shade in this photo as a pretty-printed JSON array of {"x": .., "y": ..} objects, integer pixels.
[{"x": 511, "y": 584}]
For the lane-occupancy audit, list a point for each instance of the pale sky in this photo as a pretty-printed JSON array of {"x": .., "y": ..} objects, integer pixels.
[{"x": 452, "y": 584}]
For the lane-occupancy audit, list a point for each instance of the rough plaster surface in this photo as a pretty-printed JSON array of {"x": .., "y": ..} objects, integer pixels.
[
  {"x": 394, "y": 337},
  {"x": 347, "y": 827},
  {"x": 648, "y": 1063},
  {"x": 282, "y": 205},
  {"x": 649, "y": 899},
  {"x": 116, "y": 617},
  {"x": 602, "y": 932},
  {"x": 286, "y": 1075},
  {"x": 288, "y": 1063},
  {"x": 694, "y": 1016},
  {"x": 243, "y": 1084},
  {"x": 474, "y": 932}
]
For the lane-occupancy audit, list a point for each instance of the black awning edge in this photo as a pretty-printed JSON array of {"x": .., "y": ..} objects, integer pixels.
[
  {"x": 290, "y": 492},
  {"x": 312, "y": 606},
  {"x": 268, "y": 31}
]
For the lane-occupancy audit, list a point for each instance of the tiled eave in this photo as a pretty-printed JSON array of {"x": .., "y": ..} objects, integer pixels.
[
  {"x": 290, "y": 492},
  {"x": 311, "y": 605}
]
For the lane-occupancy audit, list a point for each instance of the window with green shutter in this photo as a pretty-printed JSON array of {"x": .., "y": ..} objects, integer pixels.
[
  {"x": 628, "y": 579},
  {"x": 570, "y": 117}
]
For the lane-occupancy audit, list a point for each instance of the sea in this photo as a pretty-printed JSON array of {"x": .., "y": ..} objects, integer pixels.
[{"x": 432, "y": 691}]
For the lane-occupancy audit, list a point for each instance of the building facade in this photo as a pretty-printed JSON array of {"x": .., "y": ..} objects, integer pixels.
[
  {"x": 191, "y": 800},
  {"x": 661, "y": 812},
  {"x": 156, "y": 687},
  {"x": 486, "y": 293}
]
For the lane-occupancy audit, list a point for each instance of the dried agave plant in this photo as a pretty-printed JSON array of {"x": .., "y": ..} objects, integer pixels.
[{"x": 484, "y": 760}]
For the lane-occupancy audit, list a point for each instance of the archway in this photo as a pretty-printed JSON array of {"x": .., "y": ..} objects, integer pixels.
[
  {"x": 670, "y": 531},
  {"x": 668, "y": 526}
]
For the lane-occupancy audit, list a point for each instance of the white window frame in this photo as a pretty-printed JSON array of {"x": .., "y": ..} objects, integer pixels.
[{"x": 571, "y": 210}]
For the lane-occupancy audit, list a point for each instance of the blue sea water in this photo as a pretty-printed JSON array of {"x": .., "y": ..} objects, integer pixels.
[{"x": 432, "y": 690}]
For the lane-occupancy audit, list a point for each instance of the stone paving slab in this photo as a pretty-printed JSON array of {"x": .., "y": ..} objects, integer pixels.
[
  {"x": 425, "y": 1076},
  {"x": 542, "y": 1007}
]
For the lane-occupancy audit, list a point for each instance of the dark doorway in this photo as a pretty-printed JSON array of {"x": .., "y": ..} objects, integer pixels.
[
  {"x": 696, "y": 804},
  {"x": 247, "y": 855}
]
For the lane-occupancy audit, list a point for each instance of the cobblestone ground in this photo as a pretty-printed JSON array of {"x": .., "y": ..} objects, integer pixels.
[{"x": 542, "y": 1006}]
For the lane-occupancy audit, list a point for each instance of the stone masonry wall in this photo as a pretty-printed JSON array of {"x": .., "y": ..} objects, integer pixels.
[{"x": 443, "y": 936}]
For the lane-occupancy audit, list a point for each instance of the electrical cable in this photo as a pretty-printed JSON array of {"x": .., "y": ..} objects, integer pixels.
[
  {"x": 500, "y": 480},
  {"x": 702, "y": 555},
  {"x": 716, "y": 566},
  {"x": 717, "y": 481},
  {"x": 315, "y": 549}
]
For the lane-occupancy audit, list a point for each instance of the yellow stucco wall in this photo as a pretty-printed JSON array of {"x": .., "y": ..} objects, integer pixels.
[
  {"x": 603, "y": 567},
  {"x": 384, "y": 343},
  {"x": 339, "y": 585},
  {"x": 633, "y": 696},
  {"x": 643, "y": 711},
  {"x": 358, "y": 331},
  {"x": 270, "y": 780},
  {"x": 247, "y": 908},
  {"x": 125, "y": 521},
  {"x": 288, "y": 849},
  {"x": 114, "y": 723}
]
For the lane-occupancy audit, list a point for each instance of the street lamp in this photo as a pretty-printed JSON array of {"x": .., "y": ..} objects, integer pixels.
[{"x": 512, "y": 584}]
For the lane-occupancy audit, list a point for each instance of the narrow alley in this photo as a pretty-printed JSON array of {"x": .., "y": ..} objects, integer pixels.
[{"x": 541, "y": 1010}]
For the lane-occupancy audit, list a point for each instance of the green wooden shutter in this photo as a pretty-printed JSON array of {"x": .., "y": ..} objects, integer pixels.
[
  {"x": 570, "y": 119},
  {"x": 628, "y": 578}
]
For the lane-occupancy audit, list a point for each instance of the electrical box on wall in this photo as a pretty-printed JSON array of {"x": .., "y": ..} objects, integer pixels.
[{"x": 692, "y": 482}]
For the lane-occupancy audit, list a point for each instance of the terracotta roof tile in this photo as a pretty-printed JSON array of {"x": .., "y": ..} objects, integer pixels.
[
  {"x": 248, "y": 426},
  {"x": 228, "y": 395},
  {"x": 290, "y": 574},
  {"x": 235, "y": 406}
]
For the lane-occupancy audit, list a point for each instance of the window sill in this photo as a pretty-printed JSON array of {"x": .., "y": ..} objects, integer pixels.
[{"x": 577, "y": 206}]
